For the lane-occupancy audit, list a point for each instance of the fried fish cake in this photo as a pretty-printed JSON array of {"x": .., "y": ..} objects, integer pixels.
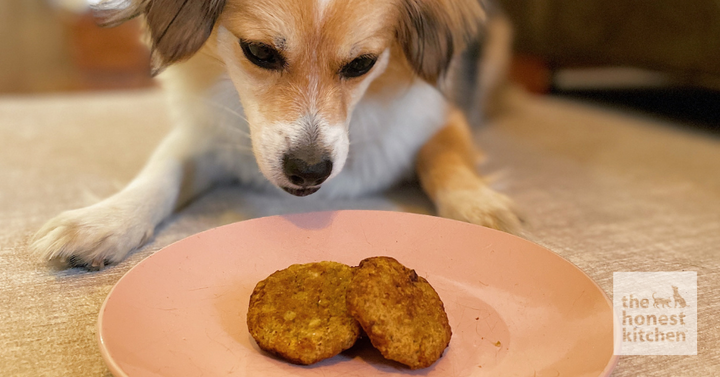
[
  {"x": 300, "y": 313},
  {"x": 400, "y": 312}
]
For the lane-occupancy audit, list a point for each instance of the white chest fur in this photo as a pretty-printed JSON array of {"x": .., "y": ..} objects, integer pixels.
[{"x": 385, "y": 136}]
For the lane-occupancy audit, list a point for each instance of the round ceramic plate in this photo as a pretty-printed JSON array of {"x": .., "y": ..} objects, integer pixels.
[{"x": 515, "y": 308}]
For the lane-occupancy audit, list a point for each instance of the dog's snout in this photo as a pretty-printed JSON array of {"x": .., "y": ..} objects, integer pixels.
[{"x": 304, "y": 174}]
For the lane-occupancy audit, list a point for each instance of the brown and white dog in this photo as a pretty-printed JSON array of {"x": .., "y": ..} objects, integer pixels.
[{"x": 338, "y": 97}]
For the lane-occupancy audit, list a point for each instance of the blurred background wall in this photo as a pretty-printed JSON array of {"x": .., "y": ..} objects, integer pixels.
[
  {"x": 678, "y": 38},
  {"x": 54, "y": 45}
]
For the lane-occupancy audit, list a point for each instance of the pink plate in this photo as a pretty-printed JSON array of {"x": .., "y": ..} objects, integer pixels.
[{"x": 516, "y": 309}]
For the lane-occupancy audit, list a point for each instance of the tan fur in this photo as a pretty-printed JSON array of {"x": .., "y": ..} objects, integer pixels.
[
  {"x": 446, "y": 167},
  {"x": 314, "y": 55},
  {"x": 398, "y": 76},
  {"x": 447, "y": 161}
]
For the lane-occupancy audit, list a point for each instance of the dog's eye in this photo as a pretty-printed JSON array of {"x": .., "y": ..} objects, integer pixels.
[
  {"x": 358, "y": 67},
  {"x": 263, "y": 55}
]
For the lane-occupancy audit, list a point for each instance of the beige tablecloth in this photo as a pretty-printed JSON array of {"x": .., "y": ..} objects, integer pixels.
[{"x": 609, "y": 191}]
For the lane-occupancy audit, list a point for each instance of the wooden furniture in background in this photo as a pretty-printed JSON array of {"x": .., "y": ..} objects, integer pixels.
[{"x": 681, "y": 38}]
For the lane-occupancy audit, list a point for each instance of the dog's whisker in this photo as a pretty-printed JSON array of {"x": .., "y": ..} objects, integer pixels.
[
  {"x": 228, "y": 109},
  {"x": 243, "y": 152},
  {"x": 234, "y": 129},
  {"x": 221, "y": 106},
  {"x": 240, "y": 149}
]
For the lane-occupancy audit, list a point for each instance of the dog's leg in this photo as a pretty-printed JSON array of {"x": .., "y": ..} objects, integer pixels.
[
  {"x": 446, "y": 168},
  {"x": 182, "y": 166}
]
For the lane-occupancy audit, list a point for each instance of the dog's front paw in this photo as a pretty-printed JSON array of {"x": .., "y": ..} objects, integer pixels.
[
  {"x": 91, "y": 237},
  {"x": 481, "y": 206}
]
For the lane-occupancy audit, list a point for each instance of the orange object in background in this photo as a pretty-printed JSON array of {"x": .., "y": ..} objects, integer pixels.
[
  {"x": 531, "y": 72},
  {"x": 49, "y": 47},
  {"x": 108, "y": 58}
]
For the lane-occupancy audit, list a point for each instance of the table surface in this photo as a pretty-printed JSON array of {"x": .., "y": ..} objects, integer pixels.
[{"x": 607, "y": 190}]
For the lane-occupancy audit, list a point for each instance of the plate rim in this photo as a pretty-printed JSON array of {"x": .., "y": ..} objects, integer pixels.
[{"x": 118, "y": 372}]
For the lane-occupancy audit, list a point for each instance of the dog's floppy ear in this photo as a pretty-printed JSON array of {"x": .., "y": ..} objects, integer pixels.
[
  {"x": 463, "y": 47},
  {"x": 177, "y": 28},
  {"x": 433, "y": 32}
]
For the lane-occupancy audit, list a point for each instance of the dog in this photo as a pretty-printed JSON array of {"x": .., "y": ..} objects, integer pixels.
[
  {"x": 335, "y": 98},
  {"x": 679, "y": 300}
]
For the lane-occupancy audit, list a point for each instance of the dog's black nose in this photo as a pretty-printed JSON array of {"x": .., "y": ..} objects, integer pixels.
[{"x": 304, "y": 174}]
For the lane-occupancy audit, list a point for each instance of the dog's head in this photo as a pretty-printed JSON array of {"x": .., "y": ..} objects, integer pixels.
[{"x": 301, "y": 66}]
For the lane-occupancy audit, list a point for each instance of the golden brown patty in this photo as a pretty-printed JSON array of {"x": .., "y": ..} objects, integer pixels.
[
  {"x": 300, "y": 314},
  {"x": 400, "y": 312}
]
